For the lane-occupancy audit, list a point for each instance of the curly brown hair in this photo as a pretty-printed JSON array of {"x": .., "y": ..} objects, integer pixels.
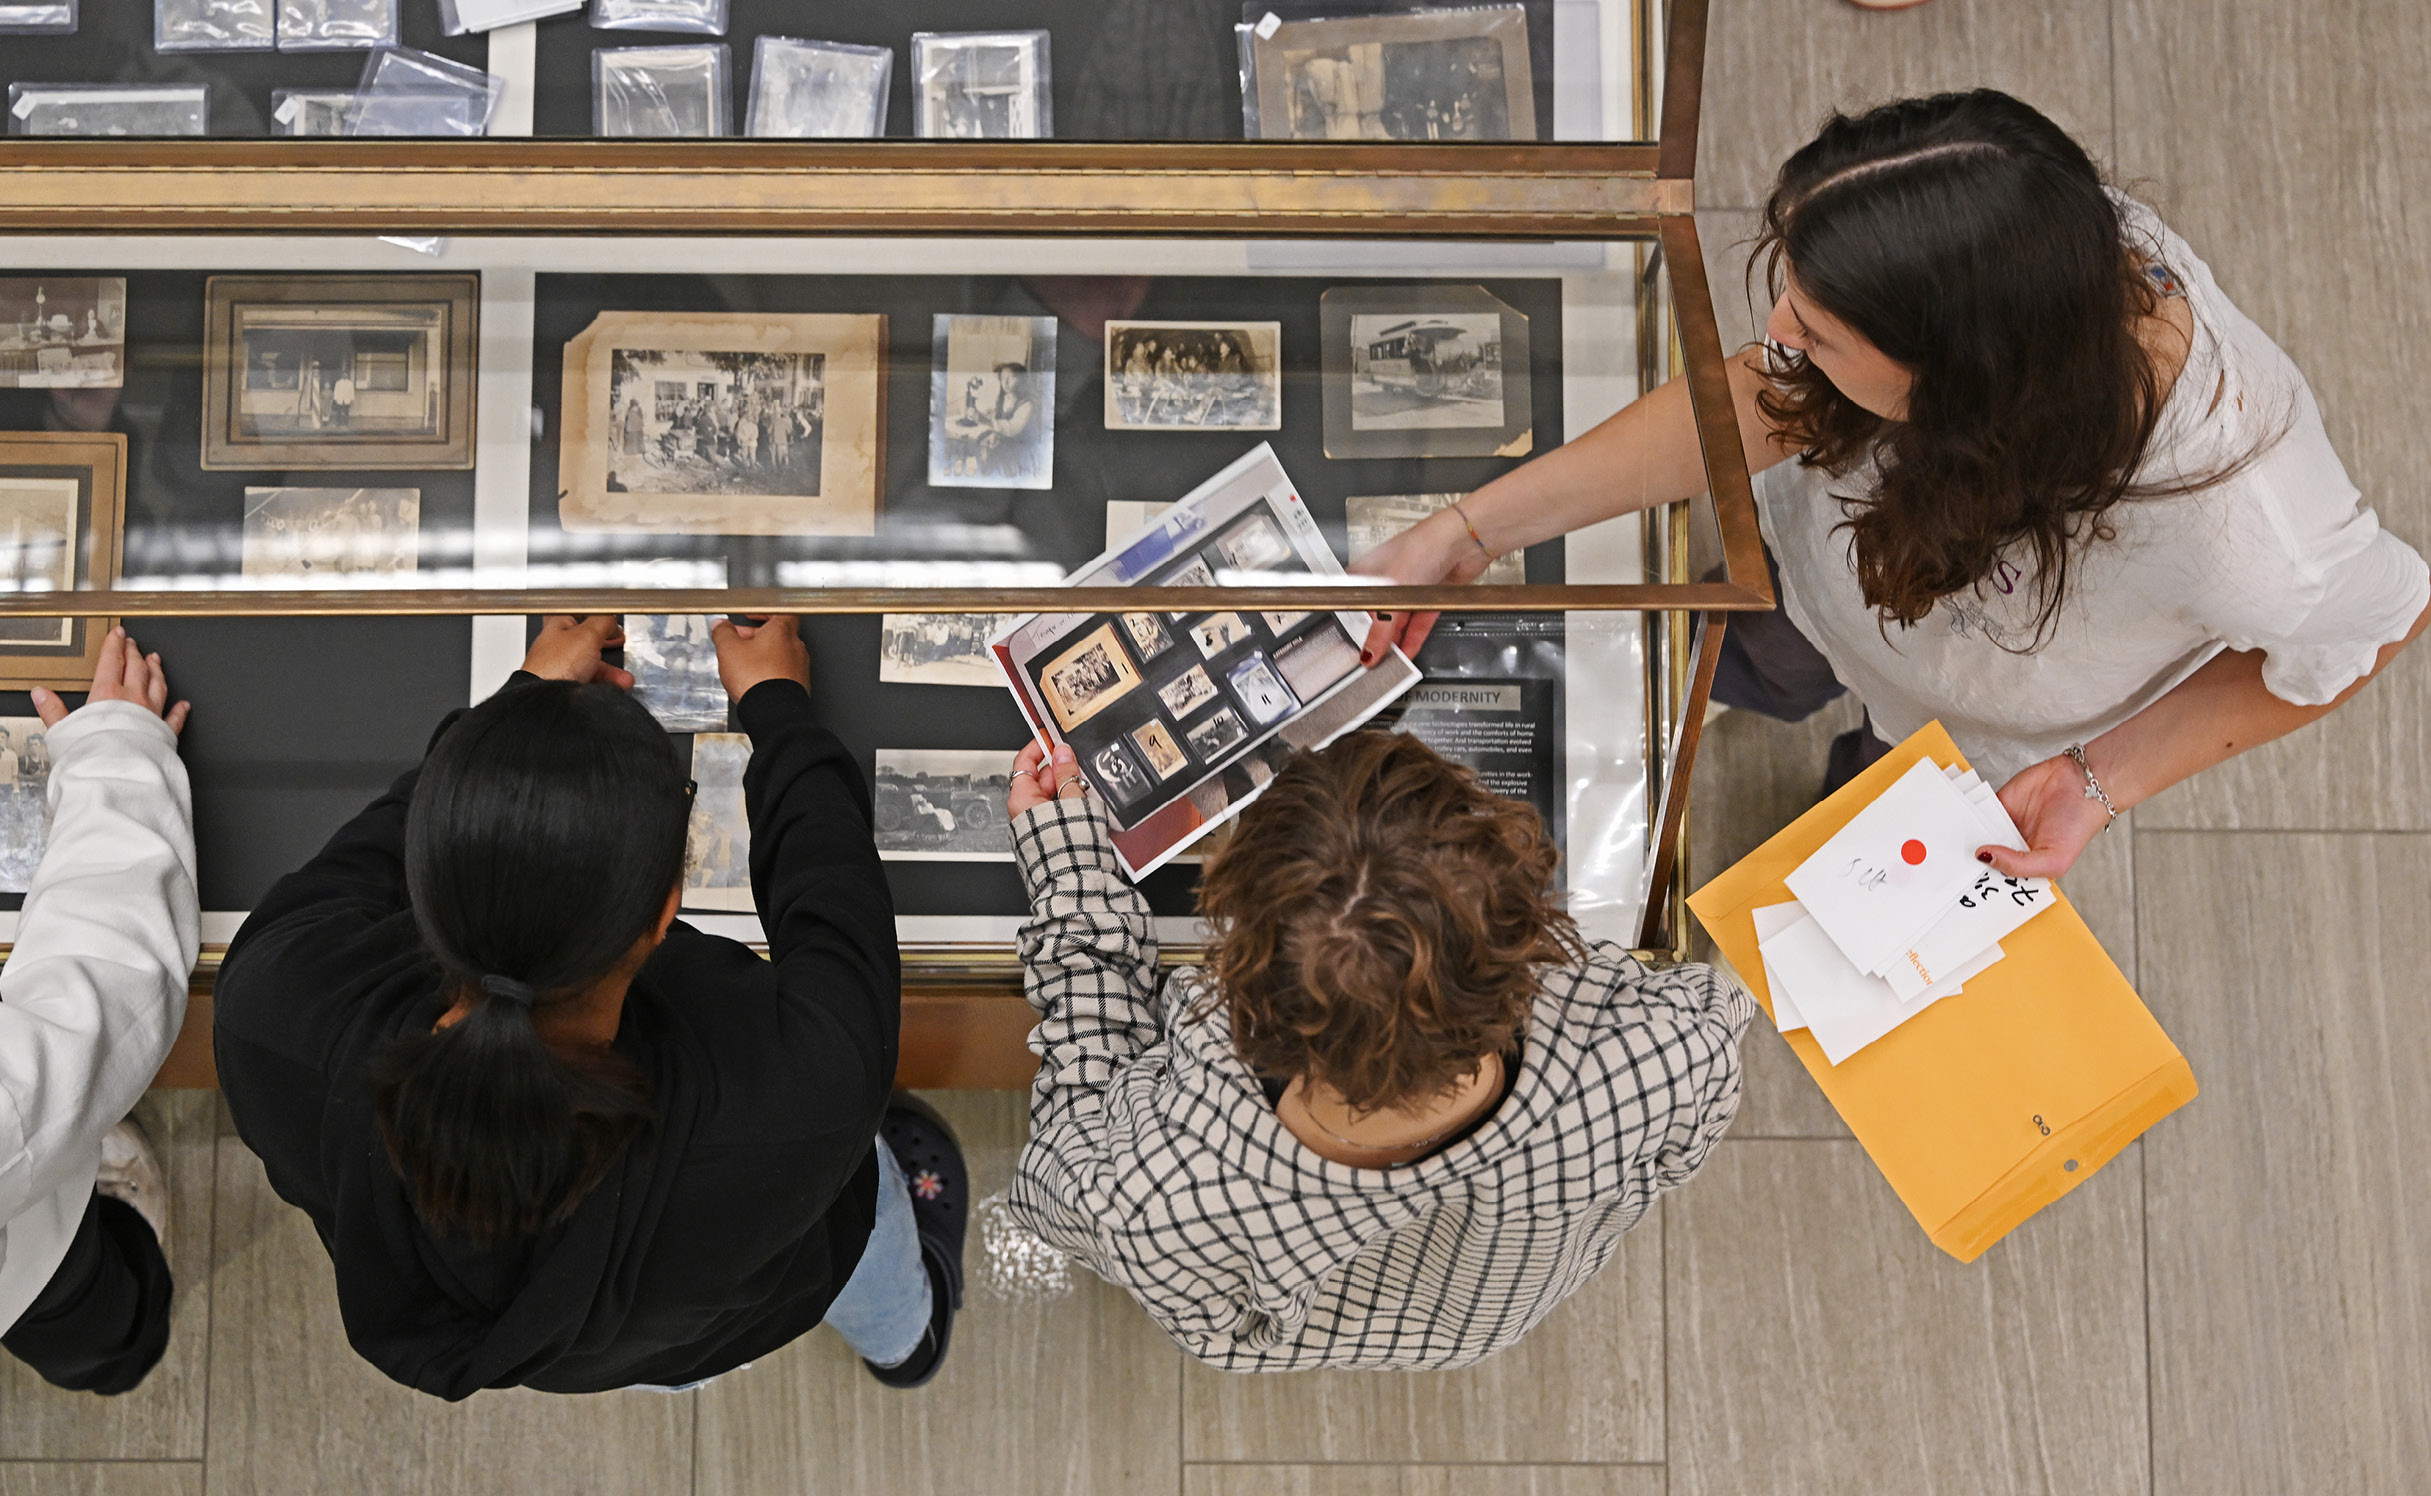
[{"x": 1379, "y": 919}]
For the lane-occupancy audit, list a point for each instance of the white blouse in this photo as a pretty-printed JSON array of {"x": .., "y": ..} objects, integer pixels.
[{"x": 2280, "y": 556}]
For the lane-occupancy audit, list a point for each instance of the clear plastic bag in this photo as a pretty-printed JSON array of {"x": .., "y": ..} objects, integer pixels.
[
  {"x": 805, "y": 90},
  {"x": 312, "y": 111},
  {"x": 698, "y": 17},
  {"x": 405, "y": 92},
  {"x": 336, "y": 25},
  {"x": 983, "y": 85},
  {"x": 38, "y": 17},
  {"x": 456, "y": 17},
  {"x": 213, "y": 26},
  {"x": 108, "y": 109},
  {"x": 661, "y": 92}
]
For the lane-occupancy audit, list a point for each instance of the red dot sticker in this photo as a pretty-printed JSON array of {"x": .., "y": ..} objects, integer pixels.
[{"x": 1913, "y": 851}]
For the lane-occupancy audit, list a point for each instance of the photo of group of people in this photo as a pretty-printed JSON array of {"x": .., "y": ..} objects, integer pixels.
[{"x": 703, "y": 421}]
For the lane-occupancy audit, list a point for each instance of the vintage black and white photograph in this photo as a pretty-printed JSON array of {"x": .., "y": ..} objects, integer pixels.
[
  {"x": 63, "y": 332},
  {"x": 1196, "y": 573},
  {"x": 37, "y": 551},
  {"x": 1453, "y": 74},
  {"x": 722, "y": 423},
  {"x": 983, "y": 85},
  {"x": 25, "y": 794},
  {"x": 1213, "y": 738},
  {"x": 1157, "y": 747},
  {"x": 674, "y": 665},
  {"x": 1088, "y": 677},
  {"x": 805, "y": 90},
  {"x": 61, "y": 525},
  {"x": 939, "y": 649},
  {"x": 313, "y": 111},
  {"x": 1377, "y": 518},
  {"x": 1117, "y": 774},
  {"x": 1194, "y": 376},
  {"x": 1424, "y": 371},
  {"x": 361, "y": 371},
  {"x": 109, "y": 109},
  {"x": 992, "y": 403},
  {"x": 1261, "y": 692},
  {"x": 1254, "y": 544},
  {"x": 1187, "y": 692},
  {"x": 1218, "y": 632},
  {"x": 1148, "y": 636},
  {"x": 943, "y": 804},
  {"x": 664, "y": 93},
  {"x": 1279, "y": 624},
  {"x": 717, "y": 845},
  {"x": 331, "y": 532},
  {"x": 1314, "y": 661}
]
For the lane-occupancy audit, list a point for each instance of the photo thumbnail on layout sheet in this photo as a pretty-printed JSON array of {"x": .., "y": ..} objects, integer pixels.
[{"x": 1180, "y": 719}]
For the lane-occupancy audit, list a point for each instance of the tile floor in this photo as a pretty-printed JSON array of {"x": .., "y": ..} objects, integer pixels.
[{"x": 2240, "y": 1303}]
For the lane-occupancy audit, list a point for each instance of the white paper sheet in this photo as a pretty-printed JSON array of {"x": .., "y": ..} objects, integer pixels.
[
  {"x": 1845, "y": 1009},
  {"x": 1771, "y": 920},
  {"x": 1887, "y": 876}
]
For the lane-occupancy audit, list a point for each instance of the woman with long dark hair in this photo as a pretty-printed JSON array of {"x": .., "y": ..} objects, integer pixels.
[
  {"x": 553, "y": 1137},
  {"x": 2021, "y": 467}
]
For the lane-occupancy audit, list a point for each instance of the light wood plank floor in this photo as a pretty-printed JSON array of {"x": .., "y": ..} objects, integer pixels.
[{"x": 2241, "y": 1303}]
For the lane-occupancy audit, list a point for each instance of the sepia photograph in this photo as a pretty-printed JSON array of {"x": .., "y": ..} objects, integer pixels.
[
  {"x": 63, "y": 332},
  {"x": 983, "y": 85},
  {"x": 1314, "y": 661},
  {"x": 339, "y": 371},
  {"x": 992, "y": 403},
  {"x": 1187, "y": 692},
  {"x": 1218, "y": 632},
  {"x": 1194, "y": 376},
  {"x": 1424, "y": 371},
  {"x": 1377, "y": 518},
  {"x": 1254, "y": 544},
  {"x": 1148, "y": 636},
  {"x": 674, "y": 665},
  {"x": 1087, "y": 678},
  {"x": 1454, "y": 74},
  {"x": 1213, "y": 738},
  {"x": 1117, "y": 775},
  {"x": 939, "y": 649},
  {"x": 312, "y": 533},
  {"x": 1156, "y": 745},
  {"x": 1261, "y": 691},
  {"x": 722, "y": 423},
  {"x": 805, "y": 90},
  {"x": 943, "y": 804},
  {"x": 61, "y": 527},
  {"x": 25, "y": 798},
  {"x": 717, "y": 845}
]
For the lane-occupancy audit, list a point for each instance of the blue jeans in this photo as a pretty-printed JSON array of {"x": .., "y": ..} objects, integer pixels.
[{"x": 884, "y": 1308}]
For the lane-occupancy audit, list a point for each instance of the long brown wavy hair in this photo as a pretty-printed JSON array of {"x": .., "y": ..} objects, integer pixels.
[
  {"x": 1970, "y": 239},
  {"x": 1379, "y": 921}
]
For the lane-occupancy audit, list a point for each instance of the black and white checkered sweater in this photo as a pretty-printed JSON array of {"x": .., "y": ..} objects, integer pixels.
[{"x": 1155, "y": 1158}]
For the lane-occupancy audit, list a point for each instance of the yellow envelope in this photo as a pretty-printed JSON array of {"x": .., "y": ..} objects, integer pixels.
[{"x": 1987, "y": 1106}]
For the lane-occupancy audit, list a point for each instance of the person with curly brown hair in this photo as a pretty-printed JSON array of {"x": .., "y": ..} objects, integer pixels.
[
  {"x": 1402, "y": 1112},
  {"x": 2022, "y": 468}
]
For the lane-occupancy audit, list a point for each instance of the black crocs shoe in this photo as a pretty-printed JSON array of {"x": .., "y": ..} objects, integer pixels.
[{"x": 941, "y": 1209}]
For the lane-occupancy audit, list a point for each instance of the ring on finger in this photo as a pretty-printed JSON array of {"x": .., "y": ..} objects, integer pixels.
[
  {"x": 1070, "y": 783},
  {"x": 1030, "y": 774}
]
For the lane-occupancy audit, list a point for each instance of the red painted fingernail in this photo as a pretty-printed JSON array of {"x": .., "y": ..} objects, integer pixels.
[{"x": 1984, "y": 857}]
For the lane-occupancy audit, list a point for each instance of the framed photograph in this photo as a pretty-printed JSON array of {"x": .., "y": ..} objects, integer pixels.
[
  {"x": 1377, "y": 518},
  {"x": 992, "y": 403},
  {"x": 317, "y": 535},
  {"x": 1148, "y": 636},
  {"x": 1194, "y": 376},
  {"x": 1187, "y": 692},
  {"x": 1158, "y": 749},
  {"x": 25, "y": 800},
  {"x": 339, "y": 371},
  {"x": 674, "y": 665},
  {"x": 1261, "y": 692},
  {"x": 1211, "y": 739},
  {"x": 983, "y": 85},
  {"x": 1453, "y": 74},
  {"x": 63, "y": 332},
  {"x": 62, "y": 511},
  {"x": 1425, "y": 371},
  {"x": 723, "y": 423},
  {"x": 717, "y": 844},
  {"x": 1087, "y": 678},
  {"x": 806, "y": 90},
  {"x": 939, "y": 649},
  {"x": 1218, "y": 632},
  {"x": 942, "y": 804}
]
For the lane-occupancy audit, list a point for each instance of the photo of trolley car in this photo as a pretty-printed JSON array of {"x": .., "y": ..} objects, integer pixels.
[{"x": 1426, "y": 371}]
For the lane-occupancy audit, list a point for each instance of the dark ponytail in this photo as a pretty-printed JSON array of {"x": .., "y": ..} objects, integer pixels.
[{"x": 545, "y": 834}]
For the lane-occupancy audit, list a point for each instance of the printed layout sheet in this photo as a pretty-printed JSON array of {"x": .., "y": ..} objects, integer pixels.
[{"x": 1181, "y": 719}]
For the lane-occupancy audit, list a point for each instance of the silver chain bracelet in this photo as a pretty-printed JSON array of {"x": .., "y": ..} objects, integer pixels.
[{"x": 2093, "y": 786}]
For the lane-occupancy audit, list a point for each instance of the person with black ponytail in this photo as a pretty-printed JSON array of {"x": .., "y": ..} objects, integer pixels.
[{"x": 554, "y": 1137}]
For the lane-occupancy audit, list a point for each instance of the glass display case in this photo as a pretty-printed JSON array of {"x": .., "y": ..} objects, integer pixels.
[{"x": 1157, "y": 319}]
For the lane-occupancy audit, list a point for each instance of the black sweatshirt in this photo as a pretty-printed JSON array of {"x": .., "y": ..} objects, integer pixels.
[{"x": 719, "y": 1238}]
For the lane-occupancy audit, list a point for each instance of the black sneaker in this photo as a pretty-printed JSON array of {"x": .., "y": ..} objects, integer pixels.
[{"x": 941, "y": 1208}]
